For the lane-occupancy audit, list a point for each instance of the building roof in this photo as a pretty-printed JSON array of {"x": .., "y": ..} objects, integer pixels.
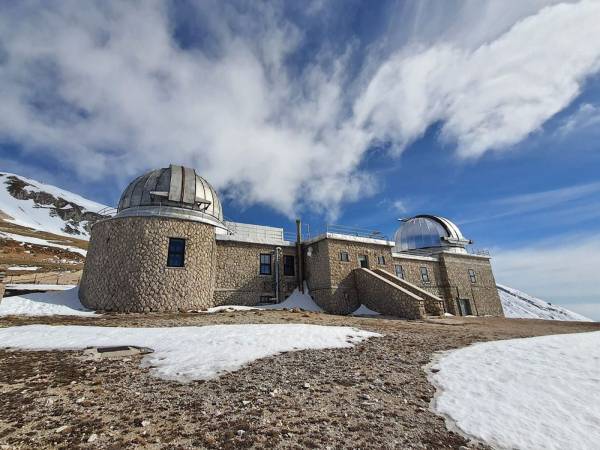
[
  {"x": 428, "y": 232},
  {"x": 174, "y": 191}
]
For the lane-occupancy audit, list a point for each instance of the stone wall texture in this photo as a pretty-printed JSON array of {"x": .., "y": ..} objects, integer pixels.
[
  {"x": 331, "y": 281},
  {"x": 126, "y": 266},
  {"x": 2, "y": 286},
  {"x": 433, "y": 305},
  {"x": 379, "y": 294},
  {"x": 482, "y": 295},
  {"x": 238, "y": 278}
]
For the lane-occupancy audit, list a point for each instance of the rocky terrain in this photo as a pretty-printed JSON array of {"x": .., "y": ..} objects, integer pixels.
[{"x": 375, "y": 395}]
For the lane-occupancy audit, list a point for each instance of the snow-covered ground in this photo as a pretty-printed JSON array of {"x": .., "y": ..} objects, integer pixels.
[
  {"x": 530, "y": 394},
  {"x": 28, "y": 214},
  {"x": 42, "y": 242},
  {"x": 64, "y": 302},
  {"x": 189, "y": 353},
  {"x": 517, "y": 304}
]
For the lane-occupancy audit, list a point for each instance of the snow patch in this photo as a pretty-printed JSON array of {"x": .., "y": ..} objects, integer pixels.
[
  {"x": 297, "y": 300},
  {"x": 533, "y": 393},
  {"x": 519, "y": 305},
  {"x": 42, "y": 242},
  {"x": 64, "y": 303},
  {"x": 364, "y": 311},
  {"x": 17, "y": 268},
  {"x": 189, "y": 353}
]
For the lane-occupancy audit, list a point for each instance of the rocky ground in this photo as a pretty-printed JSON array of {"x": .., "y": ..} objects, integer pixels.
[{"x": 374, "y": 395}]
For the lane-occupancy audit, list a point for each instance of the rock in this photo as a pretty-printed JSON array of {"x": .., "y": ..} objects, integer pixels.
[
  {"x": 365, "y": 396},
  {"x": 436, "y": 371},
  {"x": 245, "y": 402},
  {"x": 80, "y": 400},
  {"x": 62, "y": 428},
  {"x": 306, "y": 385},
  {"x": 240, "y": 433},
  {"x": 145, "y": 423},
  {"x": 93, "y": 437}
]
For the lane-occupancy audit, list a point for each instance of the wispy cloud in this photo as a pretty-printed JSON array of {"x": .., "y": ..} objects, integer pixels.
[
  {"x": 586, "y": 117},
  {"x": 565, "y": 202},
  {"x": 109, "y": 90},
  {"x": 562, "y": 270}
]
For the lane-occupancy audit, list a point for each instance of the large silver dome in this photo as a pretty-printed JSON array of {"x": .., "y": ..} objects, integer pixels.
[
  {"x": 174, "y": 191},
  {"x": 429, "y": 232}
]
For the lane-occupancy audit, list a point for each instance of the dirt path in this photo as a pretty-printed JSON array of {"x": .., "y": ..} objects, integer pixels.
[{"x": 375, "y": 395}]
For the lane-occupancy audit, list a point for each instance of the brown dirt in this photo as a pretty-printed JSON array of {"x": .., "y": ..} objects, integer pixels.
[{"x": 374, "y": 395}]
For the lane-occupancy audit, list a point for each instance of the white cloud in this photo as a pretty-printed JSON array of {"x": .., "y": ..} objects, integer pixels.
[
  {"x": 492, "y": 96},
  {"x": 562, "y": 271},
  {"x": 108, "y": 91}
]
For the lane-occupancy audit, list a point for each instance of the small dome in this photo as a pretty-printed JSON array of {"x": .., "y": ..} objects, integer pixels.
[
  {"x": 174, "y": 191},
  {"x": 428, "y": 232}
]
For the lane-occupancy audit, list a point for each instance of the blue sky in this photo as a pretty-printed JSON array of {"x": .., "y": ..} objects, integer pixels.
[{"x": 346, "y": 112}]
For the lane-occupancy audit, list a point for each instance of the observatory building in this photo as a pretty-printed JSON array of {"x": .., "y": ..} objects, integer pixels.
[{"x": 168, "y": 248}]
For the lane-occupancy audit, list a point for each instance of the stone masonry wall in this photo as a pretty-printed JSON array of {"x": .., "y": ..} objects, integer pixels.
[
  {"x": 126, "y": 266},
  {"x": 433, "y": 304},
  {"x": 482, "y": 295},
  {"x": 238, "y": 279},
  {"x": 412, "y": 274},
  {"x": 381, "y": 295},
  {"x": 330, "y": 280}
]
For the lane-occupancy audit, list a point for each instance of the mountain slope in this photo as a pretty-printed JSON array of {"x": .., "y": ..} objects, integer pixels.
[
  {"x": 43, "y": 207},
  {"x": 517, "y": 304},
  {"x": 43, "y": 230}
]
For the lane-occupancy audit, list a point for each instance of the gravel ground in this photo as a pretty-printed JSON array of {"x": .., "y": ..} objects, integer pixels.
[{"x": 374, "y": 395}]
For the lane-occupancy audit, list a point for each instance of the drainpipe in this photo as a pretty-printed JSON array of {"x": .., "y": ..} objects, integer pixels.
[
  {"x": 277, "y": 259},
  {"x": 299, "y": 274}
]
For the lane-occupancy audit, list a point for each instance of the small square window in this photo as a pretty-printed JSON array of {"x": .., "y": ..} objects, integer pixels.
[
  {"x": 265, "y": 264},
  {"x": 176, "y": 256},
  {"x": 399, "y": 271},
  {"x": 289, "y": 265},
  {"x": 381, "y": 260},
  {"x": 344, "y": 256},
  {"x": 472, "y": 276},
  {"x": 424, "y": 275},
  {"x": 266, "y": 300}
]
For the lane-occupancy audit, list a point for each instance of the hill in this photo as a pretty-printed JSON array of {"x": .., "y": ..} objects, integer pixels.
[
  {"x": 43, "y": 229},
  {"x": 517, "y": 304}
]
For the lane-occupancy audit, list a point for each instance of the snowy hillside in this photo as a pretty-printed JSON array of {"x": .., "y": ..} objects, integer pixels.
[
  {"x": 29, "y": 203},
  {"x": 517, "y": 304}
]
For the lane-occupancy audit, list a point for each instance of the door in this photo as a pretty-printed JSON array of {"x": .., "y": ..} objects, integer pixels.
[
  {"x": 363, "y": 261},
  {"x": 464, "y": 305}
]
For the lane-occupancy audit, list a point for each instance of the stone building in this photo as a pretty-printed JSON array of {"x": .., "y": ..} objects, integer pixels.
[{"x": 168, "y": 248}]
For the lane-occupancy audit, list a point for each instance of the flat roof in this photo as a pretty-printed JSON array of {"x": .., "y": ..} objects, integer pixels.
[{"x": 347, "y": 237}]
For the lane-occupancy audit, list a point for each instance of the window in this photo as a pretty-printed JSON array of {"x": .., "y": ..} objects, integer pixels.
[
  {"x": 472, "y": 276},
  {"x": 344, "y": 256},
  {"x": 399, "y": 271},
  {"x": 265, "y": 264},
  {"x": 363, "y": 261},
  {"x": 266, "y": 299},
  {"x": 289, "y": 269},
  {"x": 381, "y": 260},
  {"x": 424, "y": 275},
  {"x": 176, "y": 257}
]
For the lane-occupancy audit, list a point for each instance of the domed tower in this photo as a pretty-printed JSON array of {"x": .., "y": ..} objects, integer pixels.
[
  {"x": 158, "y": 252},
  {"x": 429, "y": 234}
]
